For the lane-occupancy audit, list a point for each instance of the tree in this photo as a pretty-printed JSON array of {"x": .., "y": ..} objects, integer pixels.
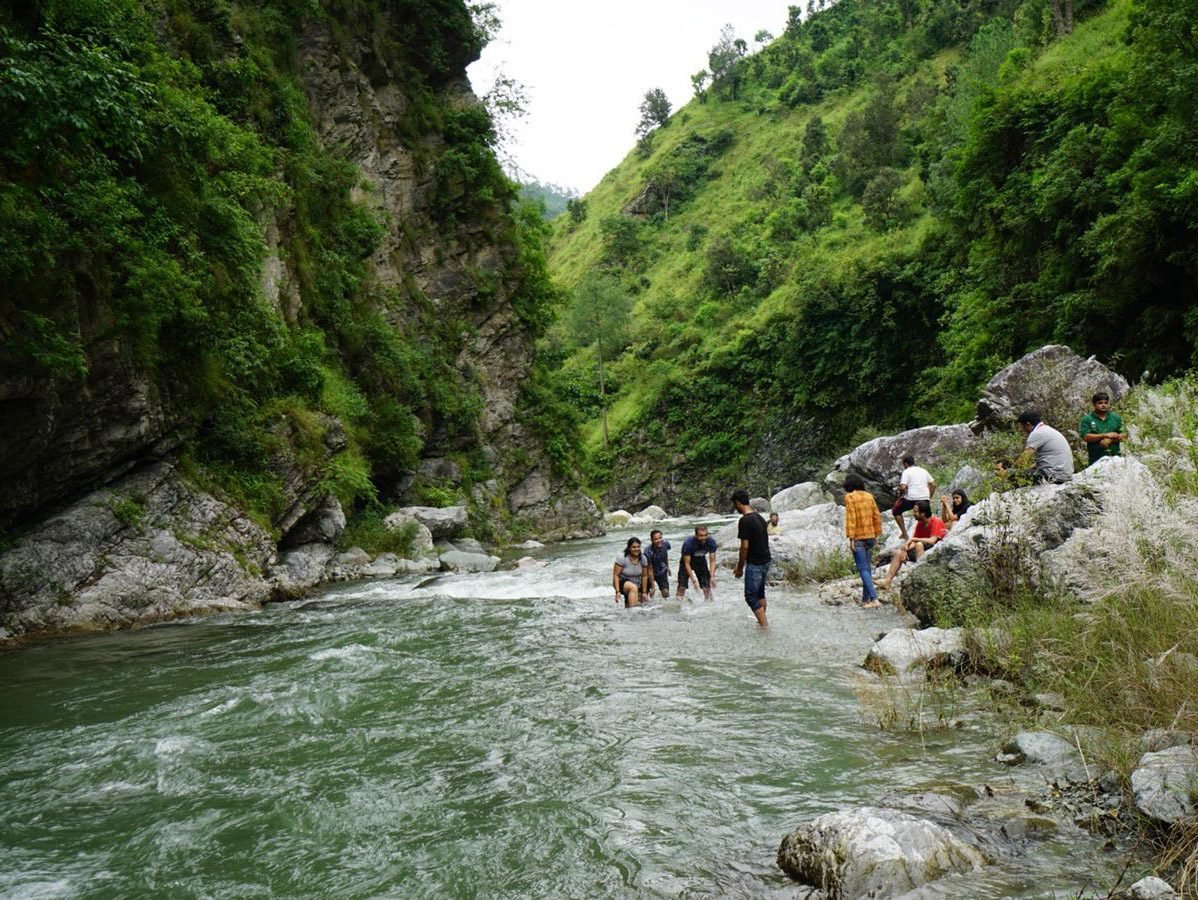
[
  {"x": 655, "y": 112},
  {"x": 577, "y": 208},
  {"x": 880, "y": 202},
  {"x": 601, "y": 314},
  {"x": 699, "y": 83},
  {"x": 763, "y": 37},
  {"x": 815, "y": 143},
  {"x": 722, "y": 59}
]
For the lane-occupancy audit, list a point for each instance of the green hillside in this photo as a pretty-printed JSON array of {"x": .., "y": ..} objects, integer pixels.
[{"x": 854, "y": 227}]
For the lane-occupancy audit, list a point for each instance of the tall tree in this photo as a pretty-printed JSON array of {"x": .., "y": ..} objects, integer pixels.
[
  {"x": 600, "y": 315},
  {"x": 655, "y": 112}
]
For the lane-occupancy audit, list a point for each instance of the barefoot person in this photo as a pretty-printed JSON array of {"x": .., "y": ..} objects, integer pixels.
[
  {"x": 630, "y": 574},
  {"x": 658, "y": 555},
  {"x": 698, "y": 563},
  {"x": 754, "y": 559},
  {"x": 862, "y": 526},
  {"x": 929, "y": 530},
  {"x": 915, "y": 484}
]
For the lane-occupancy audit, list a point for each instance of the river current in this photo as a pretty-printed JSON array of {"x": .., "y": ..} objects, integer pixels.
[{"x": 513, "y": 734}]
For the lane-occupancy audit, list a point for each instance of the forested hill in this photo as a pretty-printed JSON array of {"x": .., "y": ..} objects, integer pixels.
[{"x": 854, "y": 226}]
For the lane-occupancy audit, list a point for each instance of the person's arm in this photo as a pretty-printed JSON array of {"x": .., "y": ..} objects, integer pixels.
[
  {"x": 615, "y": 579},
  {"x": 711, "y": 565},
  {"x": 744, "y": 555},
  {"x": 647, "y": 580},
  {"x": 931, "y": 487}
]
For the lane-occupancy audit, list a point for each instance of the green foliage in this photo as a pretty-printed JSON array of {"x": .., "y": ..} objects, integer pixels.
[
  {"x": 655, "y": 112},
  {"x": 367, "y": 531}
]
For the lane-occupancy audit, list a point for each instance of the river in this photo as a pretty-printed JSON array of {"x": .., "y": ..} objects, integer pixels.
[{"x": 513, "y": 734}]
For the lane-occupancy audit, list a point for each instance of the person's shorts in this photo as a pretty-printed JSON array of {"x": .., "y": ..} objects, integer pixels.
[
  {"x": 902, "y": 504},
  {"x": 755, "y": 576},
  {"x": 663, "y": 582},
  {"x": 699, "y": 567}
]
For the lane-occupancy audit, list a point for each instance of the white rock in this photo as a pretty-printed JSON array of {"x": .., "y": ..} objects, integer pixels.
[
  {"x": 443, "y": 522},
  {"x": 799, "y": 496},
  {"x": 457, "y": 561},
  {"x": 652, "y": 514},
  {"x": 1163, "y": 784},
  {"x": 904, "y": 649},
  {"x": 618, "y": 518},
  {"x": 422, "y": 539},
  {"x": 1149, "y": 888}
]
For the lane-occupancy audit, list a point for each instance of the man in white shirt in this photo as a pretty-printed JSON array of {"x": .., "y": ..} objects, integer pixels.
[
  {"x": 915, "y": 485},
  {"x": 1054, "y": 457}
]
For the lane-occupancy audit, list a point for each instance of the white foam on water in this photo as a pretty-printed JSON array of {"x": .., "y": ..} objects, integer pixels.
[{"x": 350, "y": 651}]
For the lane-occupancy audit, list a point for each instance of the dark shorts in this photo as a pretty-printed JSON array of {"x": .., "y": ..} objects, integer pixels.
[
  {"x": 699, "y": 567},
  {"x": 663, "y": 582},
  {"x": 902, "y": 504},
  {"x": 755, "y": 576}
]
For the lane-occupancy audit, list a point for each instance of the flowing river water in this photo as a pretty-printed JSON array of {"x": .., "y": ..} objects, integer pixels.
[{"x": 513, "y": 734}]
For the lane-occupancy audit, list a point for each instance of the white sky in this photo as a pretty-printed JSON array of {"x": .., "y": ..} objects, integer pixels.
[{"x": 586, "y": 65}]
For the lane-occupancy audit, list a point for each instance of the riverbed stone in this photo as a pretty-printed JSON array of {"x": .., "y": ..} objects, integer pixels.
[
  {"x": 1058, "y": 756},
  {"x": 458, "y": 561},
  {"x": 873, "y": 852},
  {"x": 1156, "y": 739},
  {"x": 300, "y": 569},
  {"x": 1148, "y": 888},
  {"x": 650, "y": 514},
  {"x": 442, "y": 522},
  {"x": 1163, "y": 784},
  {"x": 385, "y": 565},
  {"x": 618, "y": 518},
  {"x": 798, "y": 496},
  {"x": 422, "y": 538},
  {"x": 806, "y": 537},
  {"x": 904, "y": 649}
]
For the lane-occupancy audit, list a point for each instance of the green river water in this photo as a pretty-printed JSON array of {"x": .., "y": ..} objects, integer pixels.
[{"x": 513, "y": 734}]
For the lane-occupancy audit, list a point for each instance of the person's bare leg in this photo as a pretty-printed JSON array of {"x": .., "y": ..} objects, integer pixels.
[
  {"x": 896, "y": 563},
  {"x": 632, "y": 597},
  {"x": 759, "y": 612},
  {"x": 902, "y": 525}
]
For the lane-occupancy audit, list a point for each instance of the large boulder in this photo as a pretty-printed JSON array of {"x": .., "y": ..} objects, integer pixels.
[
  {"x": 422, "y": 538},
  {"x": 442, "y": 522},
  {"x": 300, "y": 568},
  {"x": 1054, "y": 381},
  {"x": 806, "y": 537},
  {"x": 1164, "y": 784},
  {"x": 799, "y": 496},
  {"x": 459, "y": 561},
  {"x": 1111, "y": 517},
  {"x": 904, "y": 649},
  {"x": 873, "y": 852},
  {"x": 879, "y": 462},
  {"x": 148, "y": 548},
  {"x": 321, "y": 525}
]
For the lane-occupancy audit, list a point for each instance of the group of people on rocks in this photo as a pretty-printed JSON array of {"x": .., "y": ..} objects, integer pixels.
[
  {"x": 1046, "y": 450},
  {"x": 639, "y": 573}
]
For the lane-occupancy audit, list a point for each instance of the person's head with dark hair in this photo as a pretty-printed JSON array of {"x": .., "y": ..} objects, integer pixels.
[
  {"x": 922, "y": 509},
  {"x": 1029, "y": 417},
  {"x": 1102, "y": 396},
  {"x": 634, "y": 544},
  {"x": 656, "y": 539},
  {"x": 741, "y": 497},
  {"x": 853, "y": 483},
  {"x": 773, "y": 518},
  {"x": 908, "y": 459},
  {"x": 960, "y": 502}
]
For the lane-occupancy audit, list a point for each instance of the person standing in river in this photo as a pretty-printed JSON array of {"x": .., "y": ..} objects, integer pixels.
[
  {"x": 698, "y": 563},
  {"x": 658, "y": 554},
  {"x": 863, "y": 527},
  {"x": 630, "y": 574},
  {"x": 754, "y": 559}
]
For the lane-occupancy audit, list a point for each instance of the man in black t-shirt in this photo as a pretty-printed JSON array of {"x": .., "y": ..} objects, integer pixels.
[{"x": 754, "y": 560}]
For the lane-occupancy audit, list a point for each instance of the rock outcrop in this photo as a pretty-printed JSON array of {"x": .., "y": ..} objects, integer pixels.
[
  {"x": 1165, "y": 783},
  {"x": 1111, "y": 516},
  {"x": 146, "y": 549}
]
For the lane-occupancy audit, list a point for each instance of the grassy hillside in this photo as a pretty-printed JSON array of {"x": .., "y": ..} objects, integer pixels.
[{"x": 854, "y": 227}]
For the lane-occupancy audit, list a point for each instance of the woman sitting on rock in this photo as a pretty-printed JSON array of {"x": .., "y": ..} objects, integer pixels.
[
  {"x": 952, "y": 510},
  {"x": 630, "y": 575}
]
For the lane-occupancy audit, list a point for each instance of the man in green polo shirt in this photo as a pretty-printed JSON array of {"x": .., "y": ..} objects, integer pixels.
[{"x": 1102, "y": 430}]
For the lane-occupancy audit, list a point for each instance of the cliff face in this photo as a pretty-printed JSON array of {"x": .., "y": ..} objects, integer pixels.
[{"x": 440, "y": 296}]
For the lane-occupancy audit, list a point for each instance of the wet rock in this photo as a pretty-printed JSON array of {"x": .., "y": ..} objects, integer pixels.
[
  {"x": 385, "y": 565},
  {"x": 1163, "y": 784},
  {"x": 531, "y": 545},
  {"x": 457, "y": 561},
  {"x": 530, "y": 562},
  {"x": 938, "y": 805},
  {"x": 422, "y": 538},
  {"x": 650, "y": 514},
  {"x": 799, "y": 496},
  {"x": 879, "y": 462},
  {"x": 301, "y": 568},
  {"x": 469, "y": 545},
  {"x": 873, "y": 852},
  {"x": 618, "y": 518},
  {"x": 1023, "y": 828},
  {"x": 904, "y": 649},
  {"x": 1058, "y": 757},
  {"x": 1148, "y": 888},
  {"x": 442, "y": 522},
  {"x": 347, "y": 565},
  {"x": 1054, "y": 381}
]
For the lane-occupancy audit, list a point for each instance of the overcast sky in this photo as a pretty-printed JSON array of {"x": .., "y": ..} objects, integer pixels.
[{"x": 586, "y": 64}]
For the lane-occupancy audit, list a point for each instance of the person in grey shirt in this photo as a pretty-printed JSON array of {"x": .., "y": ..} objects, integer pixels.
[{"x": 1054, "y": 457}]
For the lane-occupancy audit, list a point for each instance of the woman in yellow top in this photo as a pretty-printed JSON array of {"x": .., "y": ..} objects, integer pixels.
[{"x": 862, "y": 526}]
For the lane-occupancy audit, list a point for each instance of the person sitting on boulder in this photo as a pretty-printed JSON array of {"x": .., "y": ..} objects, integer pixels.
[
  {"x": 929, "y": 531},
  {"x": 774, "y": 527},
  {"x": 916, "y": 484},
  {"x": 1054, "y": 458},
  {"x": 951, "y": 510}
]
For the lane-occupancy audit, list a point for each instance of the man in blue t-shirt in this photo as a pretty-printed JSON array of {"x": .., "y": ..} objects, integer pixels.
[
  {"x": 658, "y": 554},
  {"x": 698, "y": 563}
]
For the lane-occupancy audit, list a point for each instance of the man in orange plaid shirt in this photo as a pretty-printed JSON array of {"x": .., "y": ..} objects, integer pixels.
[{"x": 862, "y": 526}]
